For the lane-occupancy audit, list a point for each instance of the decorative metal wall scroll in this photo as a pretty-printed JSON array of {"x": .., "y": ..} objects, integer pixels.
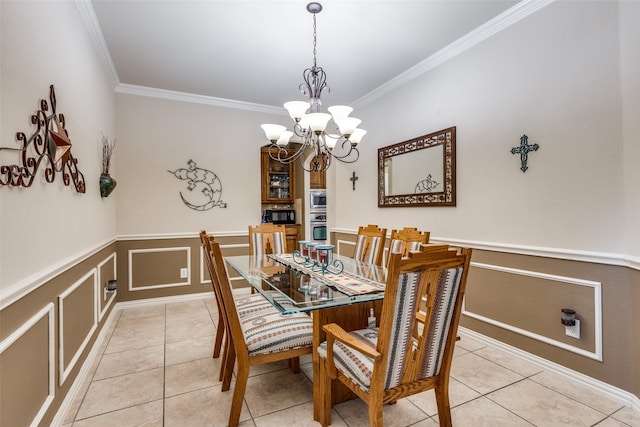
[
  {"x": 524, "y": 150},
  {"x": 48, "y": 146},
  {"x": 205, "y": 188}
]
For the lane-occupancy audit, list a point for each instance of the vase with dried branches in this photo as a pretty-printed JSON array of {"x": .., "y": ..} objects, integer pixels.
[{"x": 107, "y": 183}]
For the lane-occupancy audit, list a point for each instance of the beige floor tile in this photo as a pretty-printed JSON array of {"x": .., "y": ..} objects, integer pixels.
[
  {"x": 127, "y": 362},
  {"x": 429, "y": 422},
  {"x": 480, "y": 374},
  {"x": 482, "y": 412},
  {"x": 543, "y": 406},
  {"x": 612, "y": 422},
  {"x": 628, "y": 415},
  {"x": 207, "y": 407},
  {"x": 302, "y": 415},
  {"x": 190, "y": 330},
  {"x": 277, "y": 390},
  {"x": 122, "y": 392},
  {"x": 403, "y": 413},
  {"x": 458, "y": 394},
  {"x": 193, "y": 349},
  {"x": 139, "y": 324},
  {"x": 191, "y": 376},
  {"x": 144, "y": 415},
  {"x": 577, "y": 392},
  {"x": 143, "y": 311},
  {"x": 131, "y": 341},
  {"x": 468, "y": 343},
  {"x": 504, "y": 359}
]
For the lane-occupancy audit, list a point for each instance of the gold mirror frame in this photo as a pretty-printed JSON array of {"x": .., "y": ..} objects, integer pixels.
[{"x": 436, "y": 185}]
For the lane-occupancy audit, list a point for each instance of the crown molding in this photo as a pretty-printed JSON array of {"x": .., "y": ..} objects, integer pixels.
[
  {"x": 88, "y": 15},
  {"x": 507, "y": 18},
  {"x": 197, "y": 99}
]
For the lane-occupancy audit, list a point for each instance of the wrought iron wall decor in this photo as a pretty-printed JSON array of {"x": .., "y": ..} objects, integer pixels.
[
  {"x": 204, "y": 186},
  {"x": 524, "y": 150},
  {"x": 401, "y": 165},
  {"x": 48, "y": 147}
]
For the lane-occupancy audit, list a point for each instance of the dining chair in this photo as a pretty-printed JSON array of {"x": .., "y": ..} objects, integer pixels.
[
  {"x": 247, "y": 305},
  {"x": 267, "y": 238},
  {"x": 261, "y": 338},
  {"x": 370, "y": 244},
  {"x": 412, "y": 349},
  {"x": 406, "y": 240}
]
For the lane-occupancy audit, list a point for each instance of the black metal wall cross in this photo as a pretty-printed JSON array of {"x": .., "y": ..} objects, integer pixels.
[
  {"x": 524, "y": 150},
  {"x": 353, "y": 180}
]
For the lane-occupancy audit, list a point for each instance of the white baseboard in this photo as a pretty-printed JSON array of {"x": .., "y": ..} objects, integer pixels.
[{"x": 614, "y": 393}]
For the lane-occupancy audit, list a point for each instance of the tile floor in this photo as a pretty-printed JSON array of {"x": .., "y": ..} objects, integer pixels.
[{"x": 154, "y": 368}]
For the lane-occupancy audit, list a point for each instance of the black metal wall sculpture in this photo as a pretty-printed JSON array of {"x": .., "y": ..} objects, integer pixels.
[
  {"x": 524, "y": 150},
  {"x": 207, "y": 186},
  {"x": 426, "y": 185},
  {"x": 48, "y": 147}
]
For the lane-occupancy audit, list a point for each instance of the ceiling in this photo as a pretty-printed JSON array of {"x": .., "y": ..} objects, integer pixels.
[{"x": 255, "y": 51}]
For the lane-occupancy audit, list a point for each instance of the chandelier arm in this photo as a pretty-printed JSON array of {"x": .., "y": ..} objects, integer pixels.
[{"x": 283, "y": 156}]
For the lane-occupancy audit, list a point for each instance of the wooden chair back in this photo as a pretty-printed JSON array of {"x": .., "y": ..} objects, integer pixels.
[
  {"x": 266, "y": 239},
  {"x": 264, "y": 337},
  {"x": 406, "y": 240},
  {"x": 415, "y": 341},
  {"x": 370, "y": 244},
  {"x": 222, "y": 328}
]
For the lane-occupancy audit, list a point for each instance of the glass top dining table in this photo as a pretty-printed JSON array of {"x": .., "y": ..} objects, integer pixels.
[{"x": 291, "y": 286}]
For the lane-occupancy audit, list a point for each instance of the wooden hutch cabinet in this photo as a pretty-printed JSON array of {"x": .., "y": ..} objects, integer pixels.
[
  {"x": 278, "y": 179},
  {"x": 278, "y": 190}
]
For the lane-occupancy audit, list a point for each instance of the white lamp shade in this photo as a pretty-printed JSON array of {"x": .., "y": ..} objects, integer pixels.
[
  {"x": 304, "y": 123},
  {"x": 273, "y": 132},
  {"x": 357, "y": 135},
  {"x": 340, "y": 112},
  {"x": 347, "y": 125},
  {"x": 318, "y": 121},
  {"x": 330, "y": 141},
  {"x": 284, "y": 138},
  {"x": 297, "y": 109}
]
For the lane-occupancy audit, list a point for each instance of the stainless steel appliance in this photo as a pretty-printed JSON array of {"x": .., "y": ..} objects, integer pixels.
[
  {"x": 280, "y": 216},
  {"x": 318, "y": 226},
  {"x": 318, "y": 201}
]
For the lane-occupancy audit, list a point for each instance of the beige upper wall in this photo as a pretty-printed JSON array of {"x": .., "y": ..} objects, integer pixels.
[
  {"x": 630, "y": 84},
  {"x": 157, "y": 136},
  {"x": 553, "y": 76},
  {"x": 41, "y": 227}
]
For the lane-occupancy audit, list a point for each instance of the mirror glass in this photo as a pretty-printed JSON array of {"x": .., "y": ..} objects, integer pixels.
[{"x": 418, "y": 172}]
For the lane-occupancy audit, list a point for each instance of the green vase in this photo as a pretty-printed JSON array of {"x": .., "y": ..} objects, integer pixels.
[{"x": 107, "y": 184}]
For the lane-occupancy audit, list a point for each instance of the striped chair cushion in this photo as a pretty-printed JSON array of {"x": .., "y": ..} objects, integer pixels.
[
  {"x": 359, "y": 367},
  {"x": 352, "y": 363},
  {"x": 268, "y": 332},
  {"x": 277, "y": 242},
  {"x": 250, "y": 305},
  {"x": 396, "y": 246},
  {"x": 366, "y": 249}
]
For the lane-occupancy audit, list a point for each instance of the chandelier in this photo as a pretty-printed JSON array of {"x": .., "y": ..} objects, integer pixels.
[{"x": 310, "y": 127}]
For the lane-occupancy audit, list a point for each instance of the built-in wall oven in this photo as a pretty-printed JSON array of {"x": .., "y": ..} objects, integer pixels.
[
  {"x": 318, "y": 201},
  {"x": 318, "y": 226}
]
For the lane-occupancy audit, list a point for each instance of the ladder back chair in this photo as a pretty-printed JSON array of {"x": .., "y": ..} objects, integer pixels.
[
  {"x": 260, "y": 338},
  {"x": 267, "y": 238},
  {"x": 405, "y": 355},
  {"x": 406, "y": 240},
  {"x": 370, "y": 244},
  {"x": 246, "y": 305}
]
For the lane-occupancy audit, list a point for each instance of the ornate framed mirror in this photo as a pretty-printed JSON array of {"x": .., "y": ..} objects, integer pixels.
[{"x": 419, "y": 172}]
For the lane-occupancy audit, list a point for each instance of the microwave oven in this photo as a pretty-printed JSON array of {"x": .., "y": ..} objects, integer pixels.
[
  {"x": 318, "y": 201},
  {"x": 280, "y": 216}
]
